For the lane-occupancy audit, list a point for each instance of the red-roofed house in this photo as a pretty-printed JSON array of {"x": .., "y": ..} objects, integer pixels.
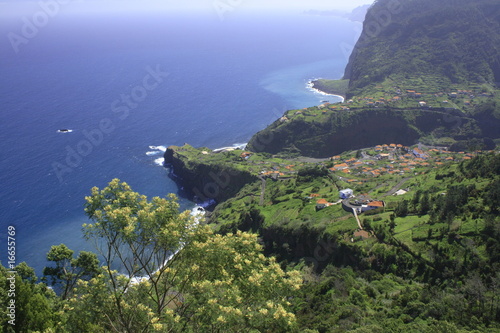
[
  {"x": 322, "y": 203},
  {"x": 340, "y": 166}
]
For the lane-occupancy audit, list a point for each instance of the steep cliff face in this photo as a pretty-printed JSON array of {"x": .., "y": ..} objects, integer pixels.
[
  {"x": 349, "y": 130},
  {"x": 458, "y": 40},
  {"x": 205, "y": 181}
]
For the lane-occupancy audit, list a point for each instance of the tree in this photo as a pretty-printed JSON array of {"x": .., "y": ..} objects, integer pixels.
[
  {"x": 140, "y": 238},
  {"x": 35, "y": 304},
  {"x": 69, "y": 270},
  {"x": 425, "y": 204},
  {"x": 176, "y": 273},
  {"x": 401, "y": 209},
  {"x": 416, "y": 199}
]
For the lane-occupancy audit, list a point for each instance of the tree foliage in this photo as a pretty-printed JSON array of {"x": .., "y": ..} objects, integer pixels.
[{"x": 179, "y": 275}]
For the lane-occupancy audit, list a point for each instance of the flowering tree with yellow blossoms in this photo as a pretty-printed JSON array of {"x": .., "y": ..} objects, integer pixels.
[{"x": 175, "y": 275}]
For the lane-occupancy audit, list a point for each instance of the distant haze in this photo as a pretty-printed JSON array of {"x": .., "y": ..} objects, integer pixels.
[{"x": 16, "y": 7}]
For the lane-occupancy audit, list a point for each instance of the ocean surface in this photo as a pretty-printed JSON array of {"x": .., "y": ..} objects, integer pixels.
[{"x": 128, "y": 87}]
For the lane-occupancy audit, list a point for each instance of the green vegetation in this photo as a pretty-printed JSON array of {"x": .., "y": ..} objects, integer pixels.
[
  {"x": 281, "y": 252},
  {"x": 176, "y": 276},
  {"x": 422, "y": 70},
  {"x": 327, "y": 131},
  {"x": 454, "y": 41},
  {"x": 335, "y": 87},
  {"x": 428, "y": 262},
  {"x": 435, "y": 246}
]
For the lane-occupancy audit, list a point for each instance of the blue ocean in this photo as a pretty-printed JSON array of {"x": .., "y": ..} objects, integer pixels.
[{"x": 127, "y": 86}]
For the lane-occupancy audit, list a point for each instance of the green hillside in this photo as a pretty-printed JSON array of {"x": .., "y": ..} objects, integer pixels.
[
  {"x": 379, "y": 214},
  {"x": 456, "y": 40},
  {"x": 422, "y": 71},
  {"x": 427, "y": 262}
]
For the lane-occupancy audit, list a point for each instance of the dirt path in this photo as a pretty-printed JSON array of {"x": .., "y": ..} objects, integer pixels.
[{"x": 357, "y": 218}]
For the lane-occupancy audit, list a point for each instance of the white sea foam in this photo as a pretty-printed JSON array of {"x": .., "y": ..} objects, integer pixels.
[
  {"x": 160, "y": 161},
  {"x": 234, "y": 146},
  {"x": 159, "y": 148},
  {"x": 198, "y": 212},
  {"x": 310, "y": 86}
]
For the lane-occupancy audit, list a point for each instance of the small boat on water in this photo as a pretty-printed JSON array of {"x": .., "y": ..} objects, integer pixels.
[{"x": 64, "y": 130}]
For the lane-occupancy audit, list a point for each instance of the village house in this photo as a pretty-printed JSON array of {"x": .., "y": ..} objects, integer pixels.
[
  {"x": 372, "y": 205},
  {"x": 322, "y": 203},
  {"x": 419, "y": 153},
  {"x": 245, "y": 155},
  {"x": 383, "y": 156},
  {"x": 345, "y": 194},
  {"x": 340, "y": 166},
  {"x": 400, "y": 192}
]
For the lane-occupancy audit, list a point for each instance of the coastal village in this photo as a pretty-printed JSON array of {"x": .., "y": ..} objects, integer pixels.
[
  {"x": 377, "y": 161},
  {"x": 339, "y": 189},
  {"x": 362, "y": 169},
  {"x": 411, "y": 94}
]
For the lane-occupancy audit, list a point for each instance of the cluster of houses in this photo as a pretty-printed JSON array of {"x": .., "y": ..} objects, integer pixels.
[
  {"x": 469, "y": 95},
  {"x": 370, "y": 101},
  {"x": 423, "y": 100},
  {"x": 395, "y": 159}
]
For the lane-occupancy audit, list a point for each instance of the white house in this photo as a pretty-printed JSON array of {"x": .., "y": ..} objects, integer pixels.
[{"x": 345, "y": 194}]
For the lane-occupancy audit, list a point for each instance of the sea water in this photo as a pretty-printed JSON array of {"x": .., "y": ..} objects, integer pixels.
[{"x": 216, "y": 84}]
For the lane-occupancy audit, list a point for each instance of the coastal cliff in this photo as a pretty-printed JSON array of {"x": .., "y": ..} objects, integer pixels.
[
  {"x": 422, "y": 71},
  {"x": 205, "y": 175},
  {"x": 457, "y": 40},
  {"x": 314, "y": 133}
]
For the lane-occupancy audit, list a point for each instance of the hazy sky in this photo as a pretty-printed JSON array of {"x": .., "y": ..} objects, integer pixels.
[{"x": 211, "y": 6}]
